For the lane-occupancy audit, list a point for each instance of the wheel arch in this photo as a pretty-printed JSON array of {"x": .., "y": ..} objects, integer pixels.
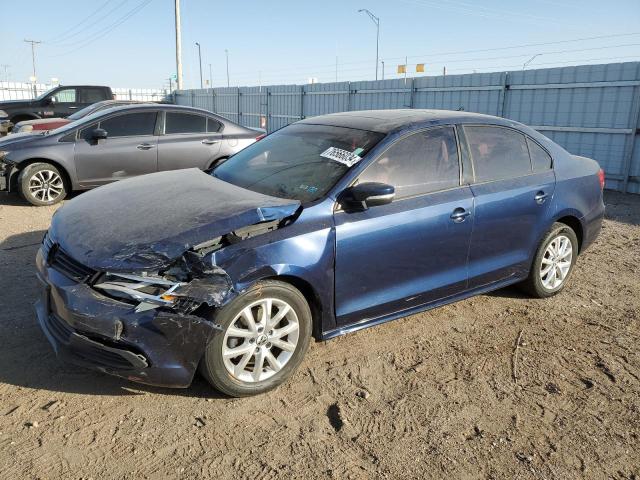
[
  {"x": 310, "y": 295},
  {"x": 575, "y": 224},
  {"x": 61, "y": 168}
]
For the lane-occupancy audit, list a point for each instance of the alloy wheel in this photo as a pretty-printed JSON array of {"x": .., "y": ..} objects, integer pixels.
[
  {"x": 46, "y": 185},
  {"x": 260, "y": 340},
  {"x": 556, "y": 262}
]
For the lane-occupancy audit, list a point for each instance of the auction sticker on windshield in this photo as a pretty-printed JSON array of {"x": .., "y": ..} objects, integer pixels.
[{"x": 342, "y": 156}]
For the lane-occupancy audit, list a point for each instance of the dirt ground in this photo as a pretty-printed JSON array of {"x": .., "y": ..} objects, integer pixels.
[{"x": 428, "y": 396}]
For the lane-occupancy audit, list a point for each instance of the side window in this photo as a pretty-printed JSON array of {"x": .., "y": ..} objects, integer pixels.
[
  {"x": 67, "y": 95},
  {"x": 497, "y": 153},
  {"x": 213, "y": 126},
  {"x": 92, "y": 95},
  {"x": 540, "y": 159},
  {"x": 421, "y": 163},
  {"x": 132, "y": 124},
  {"x": 184, "y": 123}
]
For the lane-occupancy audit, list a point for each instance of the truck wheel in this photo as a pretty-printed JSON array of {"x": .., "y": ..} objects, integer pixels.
[{"x": 42, "y": 184}]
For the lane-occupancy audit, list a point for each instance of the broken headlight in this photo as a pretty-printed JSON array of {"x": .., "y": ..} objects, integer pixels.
[{"x": 148, "y": 292}]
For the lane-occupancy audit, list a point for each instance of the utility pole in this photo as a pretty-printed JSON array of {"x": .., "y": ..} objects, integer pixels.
[
  {"x": 375, "y": 20},
  {"x": 336, "y": 69},
  {"x": 226, "y": 52},
  {"x": 530, "y": 60},
  {"x": 210, "y": 77},
  {"x": 382, "y": 61},
  {"x": 200, "y": 60},
  {"x": 33, "y": 55},
  {"x": 5, "y": 67},
  {"x": 178, "y": 47}
]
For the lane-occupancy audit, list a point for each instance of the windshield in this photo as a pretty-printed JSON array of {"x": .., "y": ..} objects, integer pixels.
[
  {"x": 42, "y": 95},
  {"x": 298, "y": 162},
  {"x": 85, "y": 111}
]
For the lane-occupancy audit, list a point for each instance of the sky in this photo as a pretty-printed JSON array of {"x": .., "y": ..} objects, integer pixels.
[{"x": 131, "y": 43}]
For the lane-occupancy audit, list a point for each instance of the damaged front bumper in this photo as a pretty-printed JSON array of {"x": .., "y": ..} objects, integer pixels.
[{"x": 156, "y": 346}]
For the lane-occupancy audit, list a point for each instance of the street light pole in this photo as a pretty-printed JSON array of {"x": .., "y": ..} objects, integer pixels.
[
  {"x": 200, "y": 60},
  {"x": 210, "y": 77},
  {"x": 375, "y": 20},
  {"x": 178, "y": 47},
  {"x": 226, "y": 52}
]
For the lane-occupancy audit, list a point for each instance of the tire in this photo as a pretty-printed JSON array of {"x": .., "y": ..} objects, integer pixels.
[
  {"x": 558, "y": 265},
  {"x": 48, "y": 177},
  {"x": 231, "y": 359}
]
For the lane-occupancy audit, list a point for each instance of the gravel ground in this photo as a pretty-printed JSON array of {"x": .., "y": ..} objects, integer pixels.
[{"x": 429, "y": 396}]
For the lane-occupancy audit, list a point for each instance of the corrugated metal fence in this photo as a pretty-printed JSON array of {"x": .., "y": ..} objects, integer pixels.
[
  {"x": 591, "y": 110},
  {"x": 20, "y": 91}
]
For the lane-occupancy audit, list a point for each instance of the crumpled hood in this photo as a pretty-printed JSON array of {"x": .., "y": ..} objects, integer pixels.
[{"x": 145, "y": 223}]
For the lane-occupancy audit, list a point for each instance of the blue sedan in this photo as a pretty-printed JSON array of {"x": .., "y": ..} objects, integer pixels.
[{"x": 332, "y": 224}]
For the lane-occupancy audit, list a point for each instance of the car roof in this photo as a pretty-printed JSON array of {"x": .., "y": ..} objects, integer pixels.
[
  {"x": 386, "y": 121},
  {"x": 160, "y": 106}
]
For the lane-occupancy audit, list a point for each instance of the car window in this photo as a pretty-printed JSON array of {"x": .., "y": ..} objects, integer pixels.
[
  {"x": 184, "y": 123},
  {"x": 67, "y": 95},
  {"x": 540, "y": 159},
  {"x": 295, "y": 162},
  {"x": 420, "y": 163},
  {"x": 92, "y": 95},
  {"x": 213, "y": 126},
  {"x": 131, "y": 124},
  {"x": 497, "y": 153}
]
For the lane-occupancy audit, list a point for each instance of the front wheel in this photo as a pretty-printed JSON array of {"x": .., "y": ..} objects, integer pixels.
[
  {"x": 553, "y": 262},
  {"x": 266, "y": 334},
  {"x": 41, "y": 184}
]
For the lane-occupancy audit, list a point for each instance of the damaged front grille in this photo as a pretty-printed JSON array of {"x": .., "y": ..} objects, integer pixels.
[{"x": 63, "y": 263}]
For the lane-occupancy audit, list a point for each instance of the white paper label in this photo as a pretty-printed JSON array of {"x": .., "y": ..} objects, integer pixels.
[{"x": 342, "y": 156}]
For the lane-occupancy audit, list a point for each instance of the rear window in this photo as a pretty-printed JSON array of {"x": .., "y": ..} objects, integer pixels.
[
  {"x": 497, "y": 153},
  {"x": 184, "y": 123},
  {"x": 92, "y": 95},
  {"x": 292, "y": 162},
  {"x": 540, "y": 159}
]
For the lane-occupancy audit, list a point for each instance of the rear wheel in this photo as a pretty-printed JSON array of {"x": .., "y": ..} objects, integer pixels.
[
  {"x": 42, "y": 184},
  {"x": 266, "y": 334},
  {"x": 553, "y": 262}
]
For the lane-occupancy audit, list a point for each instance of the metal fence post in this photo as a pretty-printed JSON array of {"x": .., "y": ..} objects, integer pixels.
[
  {"x": 268, "y": 113},
  {"x": 411, "y": 93},
  {"x": 348, "y": 96},
  {"x": 213, "y": 100},
  {"x": 193, "y": 96},
  {"x": 631, "y": 143},
  {"x": 502, "y": 98},
  {"x": 301, "y": 102},
  {"x": 238, "y": 106}
]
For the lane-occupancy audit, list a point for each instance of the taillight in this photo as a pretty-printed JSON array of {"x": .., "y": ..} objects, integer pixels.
[
  {"x": 260, "y": 137},
  {"x": 601, "y": 178}
]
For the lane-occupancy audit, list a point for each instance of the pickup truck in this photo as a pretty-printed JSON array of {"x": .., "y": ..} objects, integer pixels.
[{"x": 60, "y": 101}]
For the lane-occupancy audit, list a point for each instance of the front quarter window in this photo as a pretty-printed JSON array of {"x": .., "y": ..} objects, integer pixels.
[{"x": 289, "y": 163}]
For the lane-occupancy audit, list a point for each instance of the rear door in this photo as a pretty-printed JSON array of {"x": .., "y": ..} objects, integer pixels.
[
  {"x": 130, "y": 149},
  {"x": 512, "y": 202},
  {"x": 189, "y": 140},
  {"x": 413, "y": 251}
]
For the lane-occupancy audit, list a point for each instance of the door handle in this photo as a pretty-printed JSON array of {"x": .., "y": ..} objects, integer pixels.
[
  {"x": 145, "y": 146},
  {"x": 540, "y": 197},
  {"x": 73, "y": 108},
  {"x": 459, "y": 215},
  {"x": 209, "y": 142}
]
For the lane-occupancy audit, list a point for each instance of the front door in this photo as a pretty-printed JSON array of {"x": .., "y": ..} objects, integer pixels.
[
  {"x": 414, "y": 250},
  {"x": 130, "y": 149}
]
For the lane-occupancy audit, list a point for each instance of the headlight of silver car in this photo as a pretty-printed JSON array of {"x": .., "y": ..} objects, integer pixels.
[{"x": 3, "y": 113}]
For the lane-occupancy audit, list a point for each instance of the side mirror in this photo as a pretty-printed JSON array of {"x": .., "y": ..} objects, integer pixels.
[
  {"x": 368, "y": 194},
  {"x": 50, "y": 100},
  {"x": 99, "y": 134}
]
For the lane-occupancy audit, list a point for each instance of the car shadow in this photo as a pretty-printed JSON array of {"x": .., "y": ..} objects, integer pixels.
[{"x": 27, "y": 359}]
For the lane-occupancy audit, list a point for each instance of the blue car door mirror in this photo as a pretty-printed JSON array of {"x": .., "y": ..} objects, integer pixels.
[{"x": 366, "y": 195}]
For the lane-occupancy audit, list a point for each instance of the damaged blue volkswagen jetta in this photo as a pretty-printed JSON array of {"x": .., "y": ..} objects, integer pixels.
[{"x": 329, "y": 225}]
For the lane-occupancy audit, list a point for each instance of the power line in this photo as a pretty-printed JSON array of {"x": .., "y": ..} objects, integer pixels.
[
  {"x": 458, "y": 52},
  {"x": 105, "y": 31},
  {"x": 85, "y": 28},
  {"x": 93, "y": 14}
]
